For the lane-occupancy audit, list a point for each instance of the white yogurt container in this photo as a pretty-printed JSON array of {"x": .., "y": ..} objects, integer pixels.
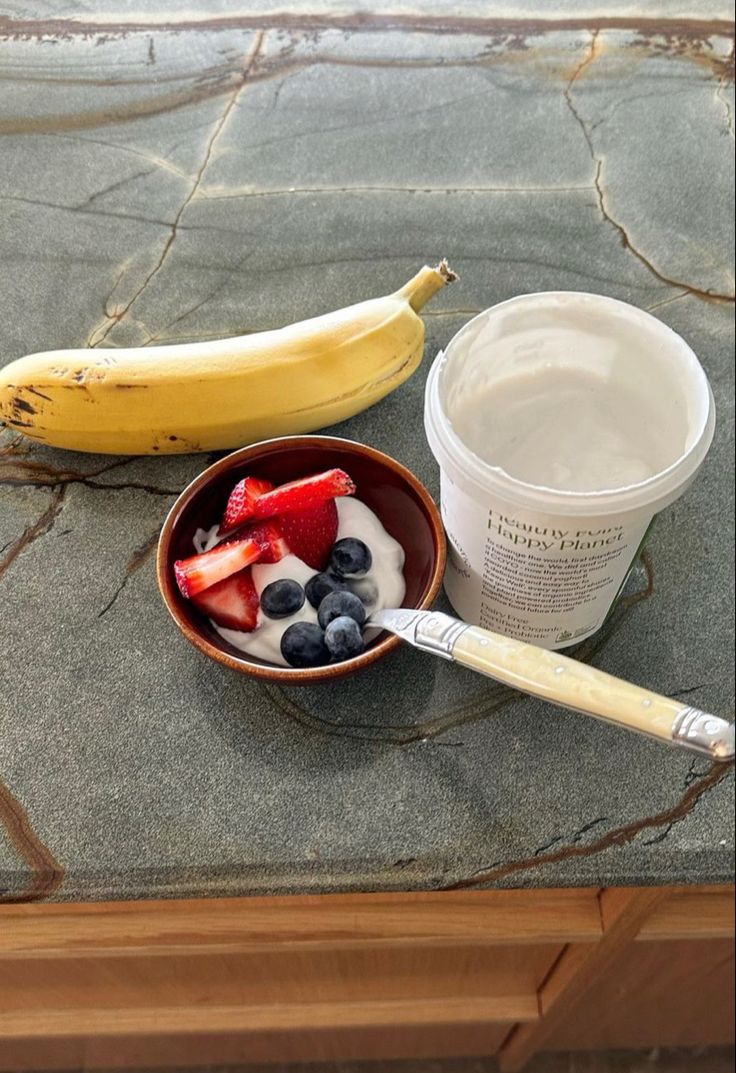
[{"x": 562, "y": 423}]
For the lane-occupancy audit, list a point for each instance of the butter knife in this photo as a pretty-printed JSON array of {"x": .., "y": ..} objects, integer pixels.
[{"x": 561, "y": 680}]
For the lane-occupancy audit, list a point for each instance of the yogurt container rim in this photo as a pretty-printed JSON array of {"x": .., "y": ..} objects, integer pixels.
[{"x": 652, "y": 494}]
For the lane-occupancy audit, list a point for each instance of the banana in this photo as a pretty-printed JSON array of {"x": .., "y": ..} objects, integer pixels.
[{"x": 224, "y": 393}]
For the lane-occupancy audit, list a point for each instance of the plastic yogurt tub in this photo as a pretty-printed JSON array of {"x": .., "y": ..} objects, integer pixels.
[{"x": 562, "y": 423}]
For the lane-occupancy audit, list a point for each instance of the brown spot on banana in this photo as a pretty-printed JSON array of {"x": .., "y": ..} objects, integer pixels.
[{"x": 87, "y": 374}]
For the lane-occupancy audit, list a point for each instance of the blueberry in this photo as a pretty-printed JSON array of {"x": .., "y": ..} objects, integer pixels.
[
  {"x": 321, "y": 585},
  {"x": 365, "y": 589},
  {"x": 339, "y": 604},
  {"x": 343, "y": 638},
  {"x": 282, "y": 598},
  {"x": 303, "y": 645},
  {"x": 350, "y": 556}
]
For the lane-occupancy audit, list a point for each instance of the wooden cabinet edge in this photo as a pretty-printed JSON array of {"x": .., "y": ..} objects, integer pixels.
[
  {"x": 192, "y": 1020},
  {"x": 592, "y": 926},
  {"x": 490, "y": 917},
  {"x": 346, "y": 921},
  {"x": 692, "y": 914}
]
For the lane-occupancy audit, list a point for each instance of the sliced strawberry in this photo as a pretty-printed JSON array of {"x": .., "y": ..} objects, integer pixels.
[
  {"x": 303, "y": 494},
  {"x": 270, "y": 536},
  {"x": 241, "y": 502},
  {"x": 311, "y": 533},
  {"x": 201, "y": 571},
  {"x": 232, "y": 603}
]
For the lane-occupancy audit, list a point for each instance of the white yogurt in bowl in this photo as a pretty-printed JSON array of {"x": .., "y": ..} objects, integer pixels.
[{"x": 385, "y": 579}]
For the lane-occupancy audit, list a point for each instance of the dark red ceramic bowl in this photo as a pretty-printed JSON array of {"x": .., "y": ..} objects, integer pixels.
[{"x": 405, "y": 507}]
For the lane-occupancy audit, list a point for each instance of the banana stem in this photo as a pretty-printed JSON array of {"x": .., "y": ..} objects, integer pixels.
[{"x": 426, "y": 283}]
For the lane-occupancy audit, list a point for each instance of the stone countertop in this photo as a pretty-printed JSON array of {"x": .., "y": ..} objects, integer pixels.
[{"x": 186, "y": 177}]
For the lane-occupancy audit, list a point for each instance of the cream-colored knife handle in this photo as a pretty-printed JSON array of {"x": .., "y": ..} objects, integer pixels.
[{"x": 575, "y": 685}]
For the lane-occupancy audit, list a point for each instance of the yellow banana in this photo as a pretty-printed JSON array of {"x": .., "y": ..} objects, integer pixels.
[{"x": 223, "y": 393}]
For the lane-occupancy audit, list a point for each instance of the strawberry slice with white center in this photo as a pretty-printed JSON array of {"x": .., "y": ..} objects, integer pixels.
[
  {"x": 199, "y": 572},
  {"x": 303, "y": 494},
  {"x": 232, "y": 603},
  {"x": 270, "y": 536},
  {"x": 242, "y": 501},
  {"x": 311, "y": 533}
]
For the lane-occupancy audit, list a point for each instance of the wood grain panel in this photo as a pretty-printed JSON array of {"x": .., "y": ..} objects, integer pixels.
[
  {"x": 674, "y": 993},
  {"x": 194, "y": 1020},
  {"x": 241, "y": 923},
  {"x": 692, "y": 914},
  {"x": 261, "y": 978},
  {"x": 396, "y": 1041}
]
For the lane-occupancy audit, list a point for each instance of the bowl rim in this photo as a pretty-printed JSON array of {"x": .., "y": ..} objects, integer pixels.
[{"x": 292, "y": 675}]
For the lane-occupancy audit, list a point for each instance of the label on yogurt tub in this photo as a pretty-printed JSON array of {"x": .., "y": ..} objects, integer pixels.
[{"x": 546, "y": 580}]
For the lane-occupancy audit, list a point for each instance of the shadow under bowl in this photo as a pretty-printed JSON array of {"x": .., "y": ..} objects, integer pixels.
[{"x": 393, "y": 493}]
